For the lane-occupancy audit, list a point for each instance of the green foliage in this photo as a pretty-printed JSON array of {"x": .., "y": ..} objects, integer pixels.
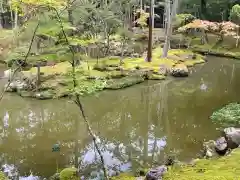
[
  {"x": 235, "y": 13},
  {"x": 124, "y": 82},
  {"x": 81, "y": 41},
  {"x": 69, "y": 174},
  {"x": 183, "y": 19},
  {"x": 212, "y": 10},
  {"x": 142, "y": 20},
  {"x": 229, "y": 115},
  {"x": 17, "y": 53},
  {"x": 87, "y": 87}
]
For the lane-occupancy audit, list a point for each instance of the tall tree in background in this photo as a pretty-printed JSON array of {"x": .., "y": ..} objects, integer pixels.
[
  {"x": 150, "y": 30},
  {"x": 203, "y": 7},
  {"x": 171, "y": 14}
]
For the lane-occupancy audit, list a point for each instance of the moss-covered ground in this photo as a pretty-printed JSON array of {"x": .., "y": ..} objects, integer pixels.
[
  {"x": 107, "y": 73},
  {"x": 223, "y": 168}
]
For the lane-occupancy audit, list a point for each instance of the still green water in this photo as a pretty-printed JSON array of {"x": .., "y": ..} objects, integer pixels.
[{"x": 140, "y": 124}]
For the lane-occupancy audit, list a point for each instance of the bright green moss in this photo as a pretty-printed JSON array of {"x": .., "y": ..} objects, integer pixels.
[
  {"x": 224, "y": 168},
  {"x": 156, "y": 77},
  {"x": 105, "y": 73},
  {"x": 69, "y": 174},
  {"x": 2, "y": 176},
  {"x": 124, "y": 82}
]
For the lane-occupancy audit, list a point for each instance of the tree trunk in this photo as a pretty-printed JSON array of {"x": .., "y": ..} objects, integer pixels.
[
  {"x": 170, "y": 18},
  {"x": 153, "y": 12},
  {"x": 70, "y": 13},
  {"x": 203, "y": 7},
  {"x": 38, "y": 76},
  {"x": 1, "y": 15},
  {"x": 15, "y": 19},
  {"x": 237, "y": 38},
  {"x": 168, "y": 29},
  {"x": 122, "y": 52},
  {"x": 149, "y": 54}
]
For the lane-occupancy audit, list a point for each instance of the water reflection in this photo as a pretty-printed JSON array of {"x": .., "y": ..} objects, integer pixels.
[{"x": 136, "y": 126}]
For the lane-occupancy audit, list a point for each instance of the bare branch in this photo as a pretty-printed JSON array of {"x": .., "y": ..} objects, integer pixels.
[
  {"x": 19, "y": 65},
  {"x": 78, "y": 101}
]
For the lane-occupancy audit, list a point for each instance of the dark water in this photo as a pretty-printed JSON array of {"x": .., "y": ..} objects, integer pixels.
[{"x": 137, "y": 125}]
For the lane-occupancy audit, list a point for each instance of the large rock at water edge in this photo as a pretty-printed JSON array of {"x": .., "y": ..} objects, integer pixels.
[
  {"x": 180, "y": 70},
  {"x": 17, "y": 85},
  {"x": 232, "y": 136},
  {"x": 221, "y": 145}
]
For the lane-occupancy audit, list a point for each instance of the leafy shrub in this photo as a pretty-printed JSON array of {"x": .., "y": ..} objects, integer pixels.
[
  {"x": 183, "y": 19},
  {"x": 229, "y": 115},
  {"x": 235, "y": 14}
]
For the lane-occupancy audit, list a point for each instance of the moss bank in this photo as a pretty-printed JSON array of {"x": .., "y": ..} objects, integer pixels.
[
  {"x": 224, "y": 168},
  {"x": 106, "y": 73}
]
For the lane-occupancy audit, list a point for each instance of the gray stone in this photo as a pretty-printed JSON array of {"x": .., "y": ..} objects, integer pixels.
[
  {"x": 56, "y": 176},
  {"x": 209, "y": 149},
  {"x": 221, "y": 145},
  {"x": 17, "y": 85},
  {"x": 180, "y": 70},
  {"x": 44, "y": 95},
  {"x": 156, "y": 173},
  {"x": 232, "y": 136}
]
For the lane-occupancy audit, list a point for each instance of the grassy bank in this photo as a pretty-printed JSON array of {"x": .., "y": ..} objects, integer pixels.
[
  {"x": 107, "y": 73},
  {"x": 224, "y": 168}
]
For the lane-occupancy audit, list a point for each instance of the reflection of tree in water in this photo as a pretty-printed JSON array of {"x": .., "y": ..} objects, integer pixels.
[
  {"x": 30, "y": 136},
  {"x": 136, "y": 126}
]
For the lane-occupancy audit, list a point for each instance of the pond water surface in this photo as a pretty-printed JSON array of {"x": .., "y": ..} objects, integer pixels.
[{"x": 136, "y": 125}]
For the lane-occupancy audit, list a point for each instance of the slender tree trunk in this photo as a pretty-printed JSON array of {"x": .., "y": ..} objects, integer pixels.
[
  {"x": 170, "y": 18},
  {"x": 70, "y": 13},
  {"x": 12, "y": 18},
  {"x": 122, "y": 52},
  {"x": 203, "y": 7},
  {"x": 166, "y": 15},
  {"x": 153, "y": 12},
  {"x": 168, "y": 28},
  {"x": 149, "y": 53},
  {"x": 1, "y": 16},
  {"x": 15, "y": 18},
  {"x": 227, "y": 11},
  {"x": 237, "y": 38},
  {"x": 130, "y": 17},
  {"x": 38, "y": 76}
]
